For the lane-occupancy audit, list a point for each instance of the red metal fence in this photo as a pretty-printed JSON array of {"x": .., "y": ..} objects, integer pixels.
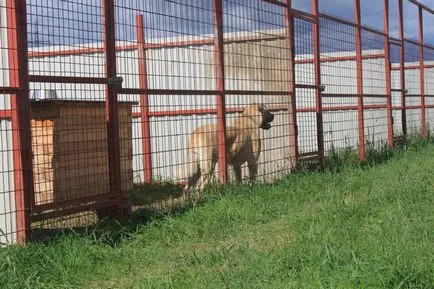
[{"x": 75, "y": 139}]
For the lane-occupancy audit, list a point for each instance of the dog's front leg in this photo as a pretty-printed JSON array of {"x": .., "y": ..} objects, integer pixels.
[{"x": 253, "y": 169}]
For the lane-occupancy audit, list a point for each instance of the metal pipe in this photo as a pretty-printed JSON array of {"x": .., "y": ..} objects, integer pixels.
[
  {"x": 144, "y": 101},
  {"x": 402, "y": 67},
  {"x": 112, "y": 106},
  {"x": 359, "y": 72},
  {"x": 317, "y": 71},
  {"x": 292, "y": 107},
  {"x": 20, "y": 116},
  {"x": 388, "y": 74},
  {"x": 220, "y": 86},
  {"x": 422, "y": 75}
]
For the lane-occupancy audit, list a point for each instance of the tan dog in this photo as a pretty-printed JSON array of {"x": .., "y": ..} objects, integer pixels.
[{"x": 243, "y": 144}]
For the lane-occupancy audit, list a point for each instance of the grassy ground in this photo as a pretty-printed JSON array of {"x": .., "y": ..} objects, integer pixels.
[{"x": 354, "y": 228}]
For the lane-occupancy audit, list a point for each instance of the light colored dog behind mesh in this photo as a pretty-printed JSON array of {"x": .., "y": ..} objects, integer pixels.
[{"x": 243, "y": 144}]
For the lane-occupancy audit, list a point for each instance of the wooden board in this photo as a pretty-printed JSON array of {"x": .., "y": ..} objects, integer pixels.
[{"x": 69, "y": 142}]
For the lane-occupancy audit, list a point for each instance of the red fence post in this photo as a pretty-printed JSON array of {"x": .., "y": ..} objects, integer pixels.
[
  {"x": 289, "y": 31},
  {"x": 359, "y": 65},
  {"x": 144, "y": 102},
  {"x": 387, "y": 69},
  {"x": 20, "y": 106},
  {"x": 220, "y": 86},
  {"x": 112, "y": 103},
  {"x": 402, "y": 67},
  {"x": 422, "y": 75},
  {"x": 318, "y": 91}
]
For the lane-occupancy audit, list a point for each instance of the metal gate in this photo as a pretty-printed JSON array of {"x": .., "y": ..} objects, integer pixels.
[{"x": 98, "y": 104}]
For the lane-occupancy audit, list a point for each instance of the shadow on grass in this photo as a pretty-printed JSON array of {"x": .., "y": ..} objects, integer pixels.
[
  {"x": 151, "y": 203},
  {"x": 110, "y": 232}
]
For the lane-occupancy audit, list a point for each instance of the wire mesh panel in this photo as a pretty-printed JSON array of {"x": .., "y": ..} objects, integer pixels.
[
  {"x": 258, "y": 70},
  {"x": 429, "y": 87},
  {"x": 412, "y": 86},
  {"x": 173, "y": 55},
  {"x": 107, "y": 101},
  {"x": 181, "y": 63},
  {"x": 15, "y": 169},
  {"x": 8, "y": 210},
  {"x": 306, "y": 87},
  {"x": 374, "y": 87},
  {"x": 397, "y": 99},
  {"x": 70, "y": 139},
  {"x": 339, "y": 75}
]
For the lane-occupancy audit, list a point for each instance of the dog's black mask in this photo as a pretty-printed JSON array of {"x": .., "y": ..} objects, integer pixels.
[{"x": 267, "y": 118}]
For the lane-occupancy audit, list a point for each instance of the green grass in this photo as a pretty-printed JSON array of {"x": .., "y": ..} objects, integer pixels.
[{"x": 359, "y": 226}]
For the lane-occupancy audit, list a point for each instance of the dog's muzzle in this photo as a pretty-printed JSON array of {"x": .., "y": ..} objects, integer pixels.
[{"x": 267, "y": 119}]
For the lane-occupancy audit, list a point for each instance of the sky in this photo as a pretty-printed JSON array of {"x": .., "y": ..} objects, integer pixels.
[{"x": 77, "y": 22}]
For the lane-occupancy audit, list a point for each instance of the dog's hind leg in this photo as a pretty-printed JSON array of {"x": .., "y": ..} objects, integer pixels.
[
  {"x": 207, "y": 167},
  {"x": 191, "y": 170},
  {"x": 192, "y": 179},
  {"x": 237, "y": 172}
]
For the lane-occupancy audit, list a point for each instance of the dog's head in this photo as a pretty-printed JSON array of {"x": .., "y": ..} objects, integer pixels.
[
  {"x": 267, "y": 117},
  {"x": 262, "y": 115}
]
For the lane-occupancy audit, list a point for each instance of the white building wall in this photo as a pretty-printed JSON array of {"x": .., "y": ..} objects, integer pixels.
[{"x": 193, "y": 68}]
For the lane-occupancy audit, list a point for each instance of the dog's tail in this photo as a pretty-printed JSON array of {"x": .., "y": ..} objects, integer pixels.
[{"x": 188, "y": 170}]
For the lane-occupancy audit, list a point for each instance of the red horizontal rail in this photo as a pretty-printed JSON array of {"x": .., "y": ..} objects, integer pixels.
[
  {"x": 274, "y": 108},
  {"x": 75, "y": 51},
  {"x": 169, "y": 44},
  {"x": 342, "y": 95},
  {"x": 413, "y": 107},
  {"x": 354, "y": 107},
  {"x": 341, "y": 58},
  {"x": 400, "y": 107},
  {"x": 8, "y": 90},
  {"x": 416, "y": 66},
  {"x": 210, "y": 41},
  {"x": 198, "y": 92},
  {"x": 67, "y": 79},
  {"x": 5, "y": 114},
  {"x": 203, "y": 111}
]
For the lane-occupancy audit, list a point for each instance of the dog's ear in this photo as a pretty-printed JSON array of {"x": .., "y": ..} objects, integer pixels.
[{"x": 261, "y": 108}]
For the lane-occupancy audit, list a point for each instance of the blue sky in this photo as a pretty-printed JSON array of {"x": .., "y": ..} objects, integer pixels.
[{"x": 74, "y": 22}]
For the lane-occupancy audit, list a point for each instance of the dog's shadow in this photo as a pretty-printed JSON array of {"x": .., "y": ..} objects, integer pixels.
[
  {"x": 108, "y": 231},
  {"x": 150, "y": 202}
]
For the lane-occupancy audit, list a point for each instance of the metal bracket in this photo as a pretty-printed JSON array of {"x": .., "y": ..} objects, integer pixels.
[
  {"x": 321, "y": 88},
  {"x": 115, "y": 80}
]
